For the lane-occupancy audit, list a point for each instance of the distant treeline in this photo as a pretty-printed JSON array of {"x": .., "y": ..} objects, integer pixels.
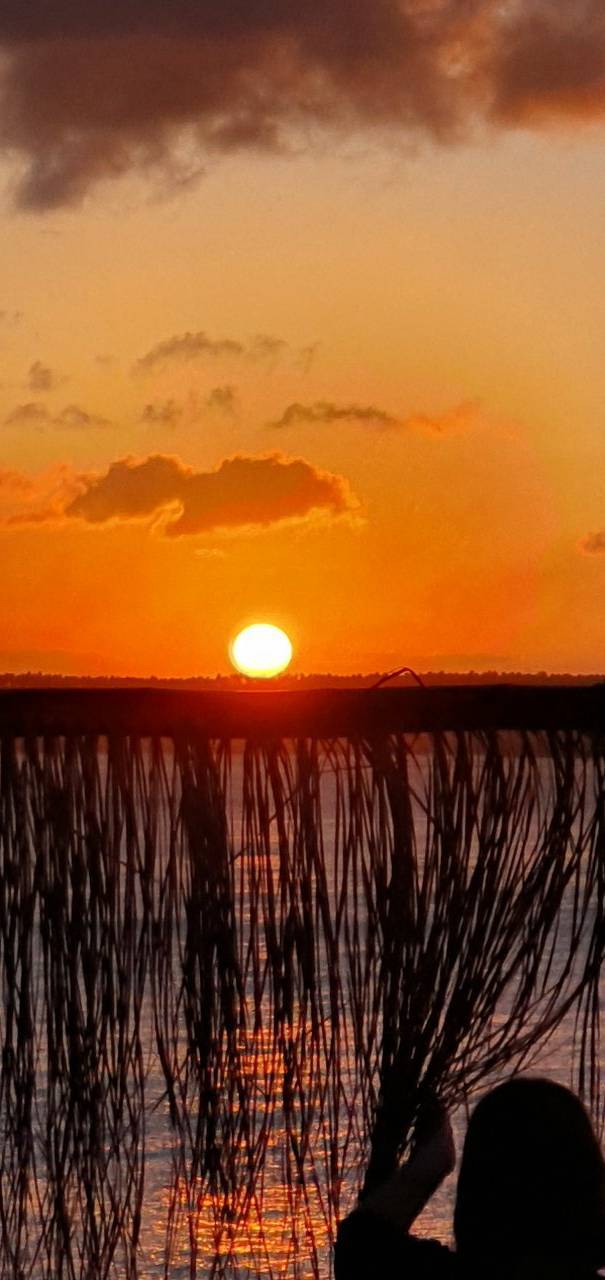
[{"x": 45, "y": 680}]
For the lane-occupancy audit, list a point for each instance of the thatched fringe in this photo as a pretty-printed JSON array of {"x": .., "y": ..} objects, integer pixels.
[{"x": 279, "y": 946}]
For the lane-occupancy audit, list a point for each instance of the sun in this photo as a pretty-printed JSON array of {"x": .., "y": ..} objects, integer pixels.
[{"x": 261, "y": 650}]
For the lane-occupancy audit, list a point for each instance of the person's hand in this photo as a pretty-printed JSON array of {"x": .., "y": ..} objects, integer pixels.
[
  {"x": 433, "y": 1148},
  {"x": 403, "y": 1196}
]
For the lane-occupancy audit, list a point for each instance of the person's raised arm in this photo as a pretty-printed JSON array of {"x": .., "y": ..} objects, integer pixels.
[
  {"x": 402, "y": 1198},
  {"x": 374, "y": 1240}
]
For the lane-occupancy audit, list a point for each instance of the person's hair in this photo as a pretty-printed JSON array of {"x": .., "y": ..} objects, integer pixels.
[{"x": 532, "y": 1178}]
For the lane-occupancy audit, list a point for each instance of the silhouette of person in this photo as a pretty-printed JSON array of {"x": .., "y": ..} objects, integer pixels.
[{"x": 530, "y": 1202}]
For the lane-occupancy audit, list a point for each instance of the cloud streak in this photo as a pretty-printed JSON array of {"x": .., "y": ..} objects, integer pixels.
[
  {"x": 41, "y": 378},
  {"x": 10, "y": 318},
  {"x": 164, "y": 413},
  {"x": 244, "y": 493},
  {"x": 92, "y": 91},
  {"x": 173, "y": 413},
  {"x": 72, "y": 418},
  {"x": 188, "y": 348},
  {"x": 593, "y": 544},
  {"x": 325, "y": 411},
  {"x": 222, "y": 400}
]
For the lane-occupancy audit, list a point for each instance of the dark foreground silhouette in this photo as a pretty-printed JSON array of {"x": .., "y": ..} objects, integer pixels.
[
  {"x": 530, "y": 1201},
  {"x": 226, "y": 918}
]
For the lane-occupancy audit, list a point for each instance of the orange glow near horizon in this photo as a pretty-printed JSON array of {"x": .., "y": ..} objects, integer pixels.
[{"x": 376, "y": 418}]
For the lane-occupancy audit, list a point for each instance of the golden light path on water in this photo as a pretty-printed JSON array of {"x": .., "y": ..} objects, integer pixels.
[{"x": 273, "y": 1223}]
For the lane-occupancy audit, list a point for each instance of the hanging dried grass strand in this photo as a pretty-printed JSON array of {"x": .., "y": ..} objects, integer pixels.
[
  {"x": 496, "y": 908},
  {"x": 19, "y": 1010},
  {"x": 274, "y": 948}
]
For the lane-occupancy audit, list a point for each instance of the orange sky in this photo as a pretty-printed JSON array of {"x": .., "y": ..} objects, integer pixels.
[{"x": 352, "y": 386}]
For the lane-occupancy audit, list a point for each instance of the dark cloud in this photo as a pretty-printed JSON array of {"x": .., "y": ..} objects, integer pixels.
[
  {"x": 188, "y": 347},
  {"x": 325, "y": 411},
  {"x": 549, "y": 63},
  {"x": 165, "y": 413},
  {"x": 92, "y": 90},
  {"x": 11, "y": 318},
  {"x": 72, "y": 417},
  {"x": 31, "y": 414},
  {"x": 41, "y": 378},
  {"x": 264, "y": 347},
  {"x": 242, "y": 492},
  {"x": 593, "y": 544},
  {"x": 171, "y": 413},
  {"x": 222, "y": 399},
  {"x": 306, "y": 357},
  {"x": 77, "y": 418}
]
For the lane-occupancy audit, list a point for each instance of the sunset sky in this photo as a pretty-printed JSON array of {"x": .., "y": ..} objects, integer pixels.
[{"x": 302, "y": 320}]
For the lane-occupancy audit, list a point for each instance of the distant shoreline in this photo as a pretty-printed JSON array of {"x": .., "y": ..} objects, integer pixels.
[{"x": 227, "y": 683}]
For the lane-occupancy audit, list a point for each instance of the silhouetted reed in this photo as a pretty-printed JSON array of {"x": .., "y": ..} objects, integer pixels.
[{"x": 290, "y": 940}]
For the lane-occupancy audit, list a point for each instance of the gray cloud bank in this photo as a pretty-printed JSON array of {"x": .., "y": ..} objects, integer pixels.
[{"x": 92, "y": 90}]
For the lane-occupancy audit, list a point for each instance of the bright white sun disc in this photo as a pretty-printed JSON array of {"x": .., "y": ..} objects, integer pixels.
[{"x": 261, "y": 650}]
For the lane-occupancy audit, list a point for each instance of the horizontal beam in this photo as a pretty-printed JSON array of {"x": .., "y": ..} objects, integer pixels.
[{"x": 323, "y": 713}]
